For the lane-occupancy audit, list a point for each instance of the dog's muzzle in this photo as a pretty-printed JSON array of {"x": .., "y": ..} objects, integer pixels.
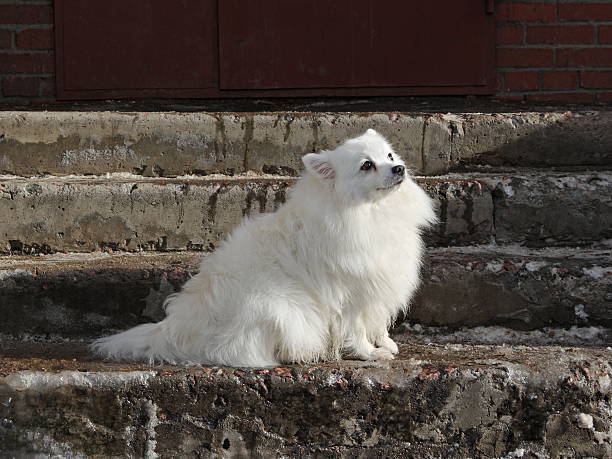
[{"x": 397, "y": 180}]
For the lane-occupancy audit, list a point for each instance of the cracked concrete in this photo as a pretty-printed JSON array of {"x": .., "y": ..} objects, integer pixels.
[
  {"x": 515, "y": 287},
  {"x": 525, "y": 249},
  {"x": 82, "y": 214},
  {"x": 84, "y": 295},
  {"x": 434, "y": 400},
  {"x": 171, "y": 143}
]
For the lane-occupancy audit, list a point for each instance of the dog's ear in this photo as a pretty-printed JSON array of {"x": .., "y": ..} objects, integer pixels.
[{"x": 317, "y": 164}]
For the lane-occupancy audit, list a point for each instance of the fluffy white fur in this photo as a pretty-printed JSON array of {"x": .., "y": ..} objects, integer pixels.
[{"x": 324, "y": 276}]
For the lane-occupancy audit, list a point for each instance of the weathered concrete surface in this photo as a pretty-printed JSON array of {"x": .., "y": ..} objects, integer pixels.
[
  {"x": 515, "y": 287},
  {"x": 134, "y": 213},
  {"x": 84, "y": 295},
  {"x": 85, "y": 214},
  {"x": 539, "y": 139},
  {"x": 76, "y": 295},
  {"x": 554, "y": 209},
  {"x": 170, "y": 144},
  {"x": 128, "y": 214},
  {"x": 434, "y": 401}
]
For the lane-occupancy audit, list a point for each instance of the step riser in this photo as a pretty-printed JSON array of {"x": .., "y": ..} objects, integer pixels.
[
  {"x": 416, "y": 409},
  {"x": 170, "y": 144},
  {"x": 517, "y": 291},
  {"x": 84, "y": 299},
  {"x": 82, "y": 216}
]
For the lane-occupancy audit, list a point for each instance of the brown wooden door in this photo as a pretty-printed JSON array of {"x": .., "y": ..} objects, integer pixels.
[{"x": 242, "y": 48}]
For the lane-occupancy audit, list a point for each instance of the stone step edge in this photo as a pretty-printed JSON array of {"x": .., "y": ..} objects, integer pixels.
[
  {"x": 406, "y": 332},
  {"x": 511, "y": 286},
  {"x": 122, "y": 212},
  {"x": 557, "y": 396},
  {"x": 480, "y": 172},
  {"x": 154, "y": 143},
  {"x": 501, "y": 250}
]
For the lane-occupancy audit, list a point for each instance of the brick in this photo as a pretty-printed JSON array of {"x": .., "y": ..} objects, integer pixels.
[
  {"x": 5, "y": 39},
  {"x": 588, "y": 57},
  {"x": 525, "y": 12},
  {"x": 34, "y": 39},
  {"x": 510, "y": 35},
  {"x": 575, "y": 97},
  {"x": 604, "y": 97},
  {"x": 585, "y": 11},
  {"x": 26, "y": 14},
  {"x": 559, "y": 80},
  {"x": 560, "y": 34},
  {"x": 605, "y": 34},
  {"x": 27, "y": 63},
  {"x": 596, "y": 79},
  {"x": 520, "y": 81},
  {"x": 524, "y": 57},
  {"x": 20, "y": 86}
]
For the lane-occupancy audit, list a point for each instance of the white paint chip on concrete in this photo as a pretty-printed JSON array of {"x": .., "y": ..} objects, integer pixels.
[
  {"x": 42, "y": 381},
  {"x": 585, "y": 421}
]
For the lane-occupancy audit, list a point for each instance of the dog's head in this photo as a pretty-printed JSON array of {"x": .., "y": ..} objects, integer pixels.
[{"x": 363, "y": 169}]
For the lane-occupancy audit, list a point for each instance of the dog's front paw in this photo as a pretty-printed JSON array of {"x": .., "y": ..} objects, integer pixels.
[
  {"x": 389, "y": 344},
  {"x": 381, "y": 353}
]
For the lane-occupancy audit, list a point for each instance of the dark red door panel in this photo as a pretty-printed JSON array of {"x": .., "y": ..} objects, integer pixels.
[
  {"x": 137, "y": 44},
  {"x": 266, "y": 44},
  {"x": 248, "y": 48}
]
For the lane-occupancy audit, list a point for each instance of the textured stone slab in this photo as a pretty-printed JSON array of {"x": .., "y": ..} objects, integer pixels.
[
  {"x": 552, "y": 209},
  {"x": 128, "y": 214},
  {"x": 75, "y": 295},
  {"x": 85, "y": 214},
  {"x": 451, "y": 401},
  {"x": 515, "y": 287},
  {"x": 170, "y": 143},
  {"x": 84, "y": 295},
  {"x": 134, "y": 213}
]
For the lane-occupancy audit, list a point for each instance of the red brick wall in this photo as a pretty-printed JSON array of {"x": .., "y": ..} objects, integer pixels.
[
  {"x": 554, "y": 50},
  {"x": 547, "y": 50},
  {"x": 27, "y": 62}
]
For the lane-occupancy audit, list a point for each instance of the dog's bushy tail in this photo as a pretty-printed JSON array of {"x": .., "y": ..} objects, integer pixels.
[{"x": 144, "y": 343}]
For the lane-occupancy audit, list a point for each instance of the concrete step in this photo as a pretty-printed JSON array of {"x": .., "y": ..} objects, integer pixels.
[
  {"x": 170, "y": 144},
  {"x": 515, "y": 287},
  {"x": 85, "y": 295},
  {"x": 434, "y": 400},
  {"x": 47, "y": 214}
]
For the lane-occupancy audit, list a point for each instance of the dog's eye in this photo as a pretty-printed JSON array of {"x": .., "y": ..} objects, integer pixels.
[
  {"x": 367, "y": 166},
  {"x": 390, "y": 156}
]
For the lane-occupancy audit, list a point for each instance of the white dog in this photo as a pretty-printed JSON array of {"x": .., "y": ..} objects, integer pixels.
[{"x": 324, "y": 276}]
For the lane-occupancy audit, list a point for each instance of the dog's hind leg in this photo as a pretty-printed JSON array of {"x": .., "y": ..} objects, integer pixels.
[{"x": 302, "y": 334}]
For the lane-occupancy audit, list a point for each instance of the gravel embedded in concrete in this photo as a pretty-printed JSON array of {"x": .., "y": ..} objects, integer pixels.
[{"x": 456, "y": 400}]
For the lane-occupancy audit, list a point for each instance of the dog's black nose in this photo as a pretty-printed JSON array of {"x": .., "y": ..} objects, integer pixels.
[{"x": 398, "y": 170}]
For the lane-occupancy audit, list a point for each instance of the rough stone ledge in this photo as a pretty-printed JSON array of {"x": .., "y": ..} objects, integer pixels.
[
  {"x": 170, "y": 143},
  {"x": 433, "y": 401},
  {"x": 515, "y": 287},
  {"x": 84, "y": 295},
  {"x": 48, "y": 214}
]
